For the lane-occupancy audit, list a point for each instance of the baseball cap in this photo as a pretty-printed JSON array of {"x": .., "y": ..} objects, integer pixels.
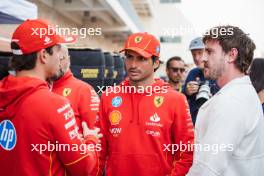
[
  {"x": 144, "y": 44},
  {"x": 34, "y": 35},
  {"x": 196, "y": 43}
]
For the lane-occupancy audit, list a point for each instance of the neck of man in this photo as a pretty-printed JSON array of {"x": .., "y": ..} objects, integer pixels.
[
  {"x": 34, "y": 73},
  {"x": 175, "y": 84},
  {"x": 228, "y": 76},
  {"x": 143, "y": 83}
]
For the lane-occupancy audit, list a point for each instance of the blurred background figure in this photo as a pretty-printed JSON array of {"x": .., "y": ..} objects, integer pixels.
[
  {"x": 197, "y": 88},
  {"x": 82, "y": 97},
  {"x": 197, "y": 49},
  {"x": 4, "y": 62},
  {"x": 175, "y": 69},
  {"x": 3, "y": 72},
  {"x": 256, "y": 74}
]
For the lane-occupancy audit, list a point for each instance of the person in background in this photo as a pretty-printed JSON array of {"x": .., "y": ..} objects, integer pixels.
[
  {"x": 3, "y": 72},
  {"x": 186, "y": 72},
  {"x": 197, "y": 50},
  {"x": 175, "y": 69},
  {"x": 83, "y": 98},
  {"x": 197, "y": 78},
  {"x": 256, "y": 74}
]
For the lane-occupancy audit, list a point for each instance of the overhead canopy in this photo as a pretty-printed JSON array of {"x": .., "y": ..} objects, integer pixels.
[
  {"x": 17, "y": 10},
  {"x": 8, "y": 19},
  {"x": 12, "y": 13}
]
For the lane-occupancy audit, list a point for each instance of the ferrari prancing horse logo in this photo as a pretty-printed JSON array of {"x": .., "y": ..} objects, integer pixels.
[
  {"x": 138, "y": 39},
  {"x": 158, "y": 100},
  {"x": 66, "y": 92}
]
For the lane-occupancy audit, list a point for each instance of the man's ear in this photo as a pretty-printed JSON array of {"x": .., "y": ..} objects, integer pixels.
[
  {"x": 167, "y": 71},
  {"x": 156, "y": 64},
  {"x": 42, "y": 56},
  {"x": 233, "y": 54}
]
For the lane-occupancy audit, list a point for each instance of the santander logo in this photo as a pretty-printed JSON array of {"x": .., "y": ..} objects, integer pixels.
[{"x": 155, "y": 118}]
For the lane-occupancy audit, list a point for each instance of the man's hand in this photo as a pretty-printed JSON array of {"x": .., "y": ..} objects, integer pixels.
[
  {"x": 192, "y": 87},
  {"x": 91, "y": 132}
]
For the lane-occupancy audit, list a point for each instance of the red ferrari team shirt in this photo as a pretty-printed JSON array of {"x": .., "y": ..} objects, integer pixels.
[
  {"x": 142, "y": 130},
  {"x": 38, "y": 132},
  {"x": 84, "y": 100}
]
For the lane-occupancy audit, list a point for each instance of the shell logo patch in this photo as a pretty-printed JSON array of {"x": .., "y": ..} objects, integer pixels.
[
  {"x": 115, "y": 117},
  {"x": 66, "y": 92},
  {"x": 158, "y": 100},
  {"x": 138, "y": 39}
]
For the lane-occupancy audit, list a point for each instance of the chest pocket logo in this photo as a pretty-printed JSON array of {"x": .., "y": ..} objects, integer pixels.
[
  {"x": 158, "y": 101},
  {"x": 66, "y": 92},
  {"x": 8, "y": 136}
]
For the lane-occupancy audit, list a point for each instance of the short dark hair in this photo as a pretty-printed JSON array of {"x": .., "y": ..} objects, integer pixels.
[
  {"x": 256, "y": 74},
  {"x": 3, "y": 71},
  {"x": 25, "y": 61},
  {"x": 174, "y": 58},
  {"x": 154, "y": 59},
  {"x": 233, "y": 37}
]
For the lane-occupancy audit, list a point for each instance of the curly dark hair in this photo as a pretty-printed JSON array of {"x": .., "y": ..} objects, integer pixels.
[
  {"x": 256, "y": 74},
  {"x": 26, "y": 61},
  {"x": 233, "y": 37}
]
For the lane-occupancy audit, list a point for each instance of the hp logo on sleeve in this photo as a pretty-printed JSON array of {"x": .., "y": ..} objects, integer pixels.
[
  {"x": 116, "y": 101},
  {"x": 8, "y": 136}
]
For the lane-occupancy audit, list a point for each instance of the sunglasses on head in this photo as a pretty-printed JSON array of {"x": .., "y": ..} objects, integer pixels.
[{"x": 176, "y": 69}]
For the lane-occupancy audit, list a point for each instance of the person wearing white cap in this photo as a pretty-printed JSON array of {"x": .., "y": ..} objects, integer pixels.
[
  {"x": 197, "y": 77},
  {"x": 197, "y": 49}
]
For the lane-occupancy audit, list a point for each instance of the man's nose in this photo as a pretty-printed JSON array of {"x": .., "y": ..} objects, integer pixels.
[
  {"x": 133, "y": 63},
  {"x": 204, "y": 57}
]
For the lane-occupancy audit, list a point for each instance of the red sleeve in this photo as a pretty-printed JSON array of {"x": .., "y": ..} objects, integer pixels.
[
  {"x": 77, "y": 159},
  {"x": 183, "y": 133},
  {"x": 88, "y": 105},
  {"x": 102, "y": 124}
]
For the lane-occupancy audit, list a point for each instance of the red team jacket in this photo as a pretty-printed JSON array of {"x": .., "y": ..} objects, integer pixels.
[
  {"x": 136, "y": 128},
  {"x": 84, "y": 100},
  {"x": 29, "y": 115}
]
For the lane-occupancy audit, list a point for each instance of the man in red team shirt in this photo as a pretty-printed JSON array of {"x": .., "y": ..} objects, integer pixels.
[
  {"x": 141, "y": 116},
  {"x": 31, "y": 116},
  {"x": 83, "y": 98}
]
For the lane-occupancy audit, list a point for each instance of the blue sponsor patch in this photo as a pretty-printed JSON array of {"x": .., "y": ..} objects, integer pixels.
[
  {"x": 8, "y": 136},
  {"x": 116, "y": 102},
  {"x": 157, "y": 49}
]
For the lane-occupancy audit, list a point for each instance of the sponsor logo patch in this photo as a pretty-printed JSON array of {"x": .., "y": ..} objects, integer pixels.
[
  {"x": 115, "y": 131},
  {"x": 158, "y": 100},
  {"x": 138, "y": 39},
  {"x": 154, "y": 121},
  {"x": 8, "y": 136},
  {"x": 66, "y": 92},
  {"x": 116, "y": 101},
  {"x": 153, "y": 133},
  {"x": 115, "y": 117},
  {"x": 155, "y": 118},
  {"x": 47, "y": 40}
]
